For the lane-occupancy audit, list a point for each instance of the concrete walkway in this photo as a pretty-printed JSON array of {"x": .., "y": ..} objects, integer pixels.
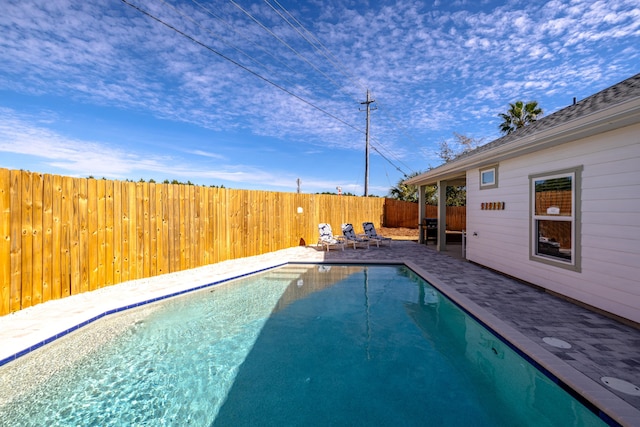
[{"x": 533, "y": 321}]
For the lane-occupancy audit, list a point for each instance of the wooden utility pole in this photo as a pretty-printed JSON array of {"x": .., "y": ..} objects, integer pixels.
[{"x": 368, "y": 103}]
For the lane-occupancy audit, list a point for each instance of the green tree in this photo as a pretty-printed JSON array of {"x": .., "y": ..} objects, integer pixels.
[
  {"x": 404, "y": 192},
  {"x": 457, "y": 195},
  {"x": 518, "y": 115},
  {"x": 449, "y": 150}
]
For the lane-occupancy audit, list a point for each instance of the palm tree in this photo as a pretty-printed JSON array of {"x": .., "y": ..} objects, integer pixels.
[
  {"x": 402, "y": 191},
  {"x": 519, "y": 115}
]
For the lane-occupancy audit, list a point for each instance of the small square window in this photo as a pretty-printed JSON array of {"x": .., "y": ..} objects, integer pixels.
[{"x": 489, "y": 177}]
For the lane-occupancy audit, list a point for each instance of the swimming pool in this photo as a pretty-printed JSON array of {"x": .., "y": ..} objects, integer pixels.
[{"x": 298, "y": 345}]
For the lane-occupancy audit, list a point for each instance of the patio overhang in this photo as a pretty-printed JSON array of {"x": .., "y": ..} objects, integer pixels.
[
  {"x": 598, "y": 114},
  {"x": 441, "y": 181}
]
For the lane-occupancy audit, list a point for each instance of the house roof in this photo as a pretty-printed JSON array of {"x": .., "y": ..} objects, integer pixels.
[{"x": 614, "y": 107}]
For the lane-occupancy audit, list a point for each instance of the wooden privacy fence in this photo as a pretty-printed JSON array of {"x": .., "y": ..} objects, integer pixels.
[
  {"x": 456, "y": 216},
  {"x": 398, "y": 213},
  {"x": 405, "y": 214},
  {"x": 61, "y": 236}
]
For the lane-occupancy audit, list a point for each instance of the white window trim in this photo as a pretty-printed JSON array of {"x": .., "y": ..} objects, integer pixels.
[
  {"x": 576, "y": 180},
  {"x": 494, "y": 184}
]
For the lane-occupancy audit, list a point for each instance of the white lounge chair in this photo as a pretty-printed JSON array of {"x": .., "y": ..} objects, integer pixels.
[
  {"x": 327, "y": 239},
  {"x": 370, "y": 232},
  {"x": 351, "y": 238}
]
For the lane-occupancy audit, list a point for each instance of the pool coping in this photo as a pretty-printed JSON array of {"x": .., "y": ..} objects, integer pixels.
[{"x": 33, "y": 334}]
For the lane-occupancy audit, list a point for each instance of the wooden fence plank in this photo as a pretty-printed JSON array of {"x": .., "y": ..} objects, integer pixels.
[
  {"x": 134, "y": 259},
  {"x": 198, "y": 226},
  {"x": 145, "y": 218},
  {"x": 191, "y": 226},
  {"x": 5, "y": 242},
  {"x": 117, "y": 232},
  {"x": 101, "y": 190},
  {"x": 75, "y": 238},
  {"x": 47, "y": 237},
  {"x": 37, "y": 256},
  {"x": 140, "y": 224},
  {"x": 235, "y": 206},
  {"x": 163, "y": 246},
  {"x": 216, "y": 232},
  {"x": 84, "y": 236},
  {"x": 27, "y": 239},
  {"x": 66, "y": 216},
  {"x": 16, "y": 241},
  {"x": 183, "y": 218},
  {"x": 126, "y": 224},
  {"x": 108, "y": 234},
  {"x": 153, "y": 231},
  {"x": 215, "y": 213},
  {"x": 56, "y": 233},
  {"x": 205, "y": 232},
  {"x": 174, "y": 227},
  {"x": 92, "y": 224}
]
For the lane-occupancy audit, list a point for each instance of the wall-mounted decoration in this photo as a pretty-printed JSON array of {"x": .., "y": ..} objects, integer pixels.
[{"x": 492, "y": 206}]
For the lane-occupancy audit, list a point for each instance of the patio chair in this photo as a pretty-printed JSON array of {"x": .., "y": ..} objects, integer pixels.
[
  {"x": 327, "y": 239},
  {"x": 351, "y": 238},
  {"x": 370, "y": 232}
]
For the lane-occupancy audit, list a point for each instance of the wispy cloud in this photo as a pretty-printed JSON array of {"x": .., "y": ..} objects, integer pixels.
[
  {"x": 435, "y": 69},
  {"x": 81, "y": 157},
  {"x": 93, "y": 158}
]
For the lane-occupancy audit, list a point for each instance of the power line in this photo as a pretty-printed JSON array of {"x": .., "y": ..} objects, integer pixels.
[
  {"x": 209, "y": 48},
  {"x": 326, "y": 53},
  {"x": 238, "y": 33},
  {"x": 251, "y": 58},
  {"x": 322, "y": 49},
  {"x": 256, "y": 74},
  {"x": 331, "y": 58},
  {"x": 284, "y": 43}
]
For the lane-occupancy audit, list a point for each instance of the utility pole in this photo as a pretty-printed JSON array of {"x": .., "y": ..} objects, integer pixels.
[{"x": 368, "y": 103}]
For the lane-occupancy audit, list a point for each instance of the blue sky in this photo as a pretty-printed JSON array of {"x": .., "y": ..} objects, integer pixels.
[{"x": 257, "y": 94}]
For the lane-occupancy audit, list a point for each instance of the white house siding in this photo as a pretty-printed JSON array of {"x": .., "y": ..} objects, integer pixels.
[{"x": 610, "y": 221}]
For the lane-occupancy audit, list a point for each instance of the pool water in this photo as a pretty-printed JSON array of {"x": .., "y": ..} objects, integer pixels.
[{"x": 297, "y": 346}]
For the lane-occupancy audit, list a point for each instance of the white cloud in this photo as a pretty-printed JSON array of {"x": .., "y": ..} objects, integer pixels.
[
  {"x": 75, "y": 156},
  {"x": 434, "y": 69}
]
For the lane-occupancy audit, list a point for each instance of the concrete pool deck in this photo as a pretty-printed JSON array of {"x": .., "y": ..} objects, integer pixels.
[{"x": 600, "y": 346}]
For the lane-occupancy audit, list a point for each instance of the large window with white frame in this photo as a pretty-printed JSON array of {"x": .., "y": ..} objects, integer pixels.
[{"x": 555, "y": 199}]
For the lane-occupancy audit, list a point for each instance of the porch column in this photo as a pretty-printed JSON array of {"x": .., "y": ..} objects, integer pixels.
[
  {"x": 421, "y": 210},
  {"x": 442, "y": 216}
]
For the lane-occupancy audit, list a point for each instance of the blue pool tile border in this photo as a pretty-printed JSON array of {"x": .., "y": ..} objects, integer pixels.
[{"x": 128, "y": 307}]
